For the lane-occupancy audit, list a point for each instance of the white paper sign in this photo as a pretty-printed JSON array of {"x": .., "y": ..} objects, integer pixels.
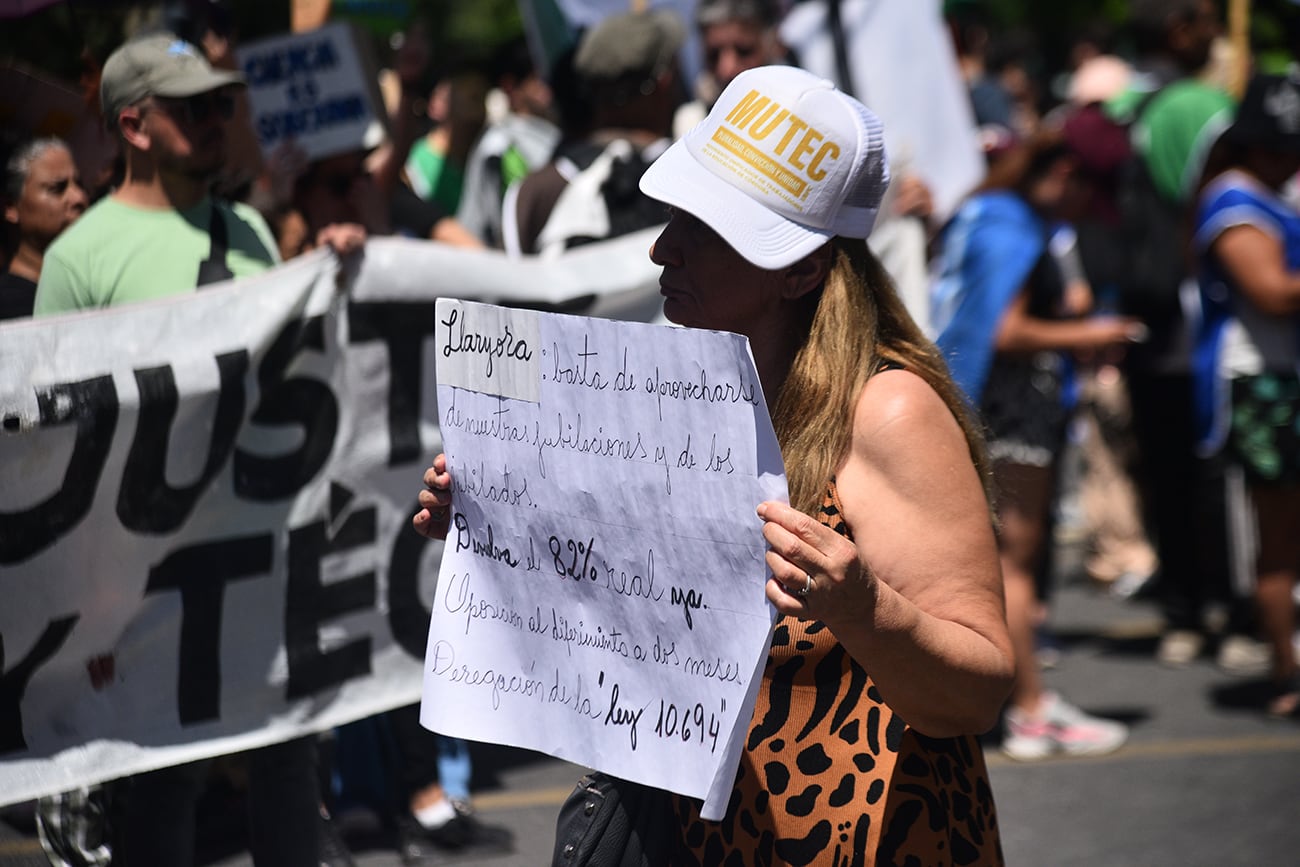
[
  {"x": 601, "y": 596},
  {"x": 312, "y": 88}
]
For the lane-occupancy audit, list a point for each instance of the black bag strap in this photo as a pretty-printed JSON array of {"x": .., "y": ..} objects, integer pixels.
[{"x": 214, "y": 268}]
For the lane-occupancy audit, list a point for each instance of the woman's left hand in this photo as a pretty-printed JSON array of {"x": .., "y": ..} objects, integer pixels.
[{"x": 816, "y": 573}]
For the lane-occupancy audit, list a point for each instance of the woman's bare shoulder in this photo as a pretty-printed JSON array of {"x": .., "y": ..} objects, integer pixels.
[{"x": 899, "y": 404}]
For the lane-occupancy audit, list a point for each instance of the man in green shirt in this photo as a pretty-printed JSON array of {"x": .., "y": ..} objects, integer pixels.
[
  {"x": 1176, "y": 119},
  {"x": 160, "y": 234}
]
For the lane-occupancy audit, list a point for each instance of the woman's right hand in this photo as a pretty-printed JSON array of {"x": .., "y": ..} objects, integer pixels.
[{"x": 434, "y": 517}]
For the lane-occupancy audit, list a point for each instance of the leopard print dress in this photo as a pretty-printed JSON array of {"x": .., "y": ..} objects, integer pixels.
[{"x": 831, "y": 776}]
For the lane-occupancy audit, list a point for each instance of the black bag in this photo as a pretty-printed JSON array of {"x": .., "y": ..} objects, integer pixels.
[
  {"x": 1155, "y": 234},
  {"x": 608, "y": 822}
]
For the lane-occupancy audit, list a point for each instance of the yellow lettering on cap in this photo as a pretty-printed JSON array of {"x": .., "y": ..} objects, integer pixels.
[
  {"x": 748, "y": 107},
  {"x": 759, "y": 132},
  {"x": 759, "y": 161},
  {"x": 797, "y": 125},
  {"x": 810, "y": 138},
  {"x": 757, "y": 117},
  {"x": 828, "y": 149}
]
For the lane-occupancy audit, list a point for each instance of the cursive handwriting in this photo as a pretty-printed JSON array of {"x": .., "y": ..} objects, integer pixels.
[
  {"x": 688, "y": 599},
  {"x": 579, "y": 635},
  {"x": 459, "y": 597},
  {"x": 635, "y": 586},
  {"x": 622, "y": 716},
  {"x": 702, "y": 391},
  {"x": 442, "y": 657},
  {"x": 511, "y": 491},
  {"x": 485, "y": 547},
  {"x": 503, "y": 345},
  {"x": 578, "y": 373},
  {"x": 574, "y": 699}
]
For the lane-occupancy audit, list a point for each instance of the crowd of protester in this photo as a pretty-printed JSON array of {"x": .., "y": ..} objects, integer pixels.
[{"x": 1129, "y": 270}]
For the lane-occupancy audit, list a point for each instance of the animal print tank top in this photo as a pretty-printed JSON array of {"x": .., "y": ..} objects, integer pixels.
[{"x": 831, "y": 776}]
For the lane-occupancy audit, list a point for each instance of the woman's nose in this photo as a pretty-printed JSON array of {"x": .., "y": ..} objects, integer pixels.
[{"x": 664, "y": 250}]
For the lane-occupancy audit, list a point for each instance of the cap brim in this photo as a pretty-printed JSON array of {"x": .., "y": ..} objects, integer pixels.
[
  {"x": 762, "y": 236},
  {"x": 198, "y": 81}
]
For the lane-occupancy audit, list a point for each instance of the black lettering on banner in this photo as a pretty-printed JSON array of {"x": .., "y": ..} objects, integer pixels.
[
  {"x": 200, "y": 573},
  {"x": 403, "y": 327},
  {"x": 407, "y": 617},
  {"x": 310, "y": 603},
  {"x": 146, "y": 503},
  {"x": 298, "y": 400},
  {"x": 92, "y": 405},
  {"x": 14, "y": 681}
]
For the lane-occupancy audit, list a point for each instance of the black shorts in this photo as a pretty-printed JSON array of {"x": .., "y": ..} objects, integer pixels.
[{"x": 1024, "y": 417}]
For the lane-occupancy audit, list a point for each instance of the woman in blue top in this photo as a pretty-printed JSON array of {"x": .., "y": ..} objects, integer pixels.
[
  {"x": 1004, "y": 320},
  {"x": 1248, "y": 239}
]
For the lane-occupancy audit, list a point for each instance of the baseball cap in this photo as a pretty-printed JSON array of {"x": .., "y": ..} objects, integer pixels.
[
  {"x": 633, "y": 44},
  {"x": 1269, "y": 115},
  {"x": 160, "y": 64},
  {"x": 781, "y": 164}
]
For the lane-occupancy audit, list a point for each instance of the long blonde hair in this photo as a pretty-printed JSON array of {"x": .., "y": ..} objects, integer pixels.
[{"x": 855, "y": 323}]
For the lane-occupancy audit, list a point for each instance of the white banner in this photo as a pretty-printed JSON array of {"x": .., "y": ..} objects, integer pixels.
[{"x": 205, "y": 504}]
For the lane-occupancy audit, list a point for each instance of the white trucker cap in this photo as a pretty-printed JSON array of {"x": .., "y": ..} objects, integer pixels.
[{"x": 782, "y": 163}]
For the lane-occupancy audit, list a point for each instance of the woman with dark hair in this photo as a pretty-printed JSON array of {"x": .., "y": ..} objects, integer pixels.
[
  {"x": 999, "y": 307},
  {"x": 891, "y": 652},
  {"x": 42, "y": 197},
  {"x": 1247, "y": 238}
]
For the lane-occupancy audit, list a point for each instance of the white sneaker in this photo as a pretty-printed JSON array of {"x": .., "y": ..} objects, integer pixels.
[
  {"x": 1243, "y": 655},
  {"x": 1060, "y": 728},
  {"x": 1178, "y": 647}
]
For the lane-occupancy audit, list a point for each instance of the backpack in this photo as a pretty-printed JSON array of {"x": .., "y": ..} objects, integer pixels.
[
  {"x": 1134, "y": 246},
  {"x": 1154, "y": 235},
  {"x": 602, "y": 199}
]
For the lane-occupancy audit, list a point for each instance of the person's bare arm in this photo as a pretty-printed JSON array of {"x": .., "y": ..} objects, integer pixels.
[
  {"x": 1256, "y": 262},
  {"x": 410, "y": 65},
  {"x": 1019, "y": 332},
  {"x": 449, "y": 230},
  {"x": 916, "y": 597}
]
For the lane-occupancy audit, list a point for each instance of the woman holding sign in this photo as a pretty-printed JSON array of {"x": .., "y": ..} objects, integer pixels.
[{"x": 892, "y": 653}]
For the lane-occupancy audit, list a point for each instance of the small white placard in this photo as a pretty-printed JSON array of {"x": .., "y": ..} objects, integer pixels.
[{"x": 312, "y": 88}]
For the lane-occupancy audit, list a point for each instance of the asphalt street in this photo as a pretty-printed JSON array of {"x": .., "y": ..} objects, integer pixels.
[{"x": 1205, "y": 779}]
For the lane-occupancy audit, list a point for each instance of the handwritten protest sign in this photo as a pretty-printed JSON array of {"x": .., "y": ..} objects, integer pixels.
[
  {"x": 313, "y": 88},
  {"x": 600, "y": 596}
]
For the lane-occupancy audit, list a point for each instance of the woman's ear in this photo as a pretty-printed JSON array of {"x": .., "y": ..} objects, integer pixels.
[
  {"x": 809, "y": 273},
  {"x": 11, "y": 214}
]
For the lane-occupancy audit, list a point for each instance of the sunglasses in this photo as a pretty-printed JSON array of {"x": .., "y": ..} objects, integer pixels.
[{"x": 195, "y": 110}]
